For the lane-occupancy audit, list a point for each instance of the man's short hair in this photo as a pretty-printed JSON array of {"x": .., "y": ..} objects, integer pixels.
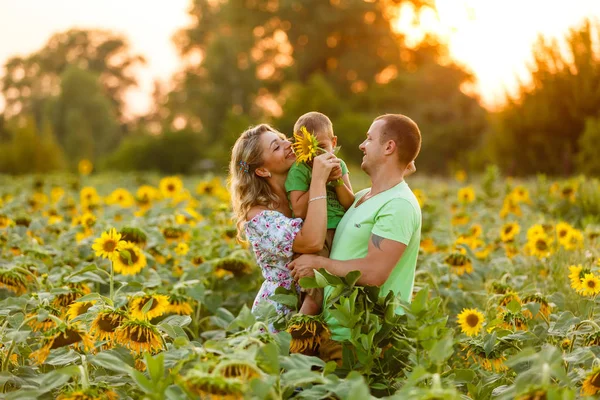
[
  {"x": 405, "y": 133},
  {"x": 315, "y": 122}
]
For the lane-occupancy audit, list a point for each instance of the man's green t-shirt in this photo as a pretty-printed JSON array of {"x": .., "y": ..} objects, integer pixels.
[
  {"x": 299, "y": 177},
  {"x": 393, "y": 214}
]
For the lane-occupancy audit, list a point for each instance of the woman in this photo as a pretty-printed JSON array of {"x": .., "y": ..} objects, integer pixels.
[{"x": 260, "y": 161}]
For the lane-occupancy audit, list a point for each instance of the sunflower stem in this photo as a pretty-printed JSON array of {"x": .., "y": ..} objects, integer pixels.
[
  {"x": 85, "y": 380},
  {"x": 112, "y": 282}
]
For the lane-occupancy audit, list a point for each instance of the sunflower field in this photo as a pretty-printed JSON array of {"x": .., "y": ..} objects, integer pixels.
[{"x": 135, "y": 287}]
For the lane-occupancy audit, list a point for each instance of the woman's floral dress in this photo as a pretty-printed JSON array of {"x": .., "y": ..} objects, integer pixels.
[{"x": 271, "y": 235}]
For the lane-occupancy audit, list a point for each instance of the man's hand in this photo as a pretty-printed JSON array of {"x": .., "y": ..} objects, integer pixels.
[
  {"x": 335, "y": 174},
  {"x": 304, "y": 266}
]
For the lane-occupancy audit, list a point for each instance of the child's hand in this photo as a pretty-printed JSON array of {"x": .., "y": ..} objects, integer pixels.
[
  {"x": 322, "y": 166},
  {"x": 335, "y": 174},
  {"x": 410, "y": 169}
]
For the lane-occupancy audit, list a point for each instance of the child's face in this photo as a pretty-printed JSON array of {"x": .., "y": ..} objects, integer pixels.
[{"x": 326, "y": 142}]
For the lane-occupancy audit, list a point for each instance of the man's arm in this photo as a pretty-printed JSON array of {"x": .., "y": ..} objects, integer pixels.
[{"x": 382, "y": 256}]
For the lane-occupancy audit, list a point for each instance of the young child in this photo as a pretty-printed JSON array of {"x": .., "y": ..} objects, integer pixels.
[{"x": 339, "y": 192}]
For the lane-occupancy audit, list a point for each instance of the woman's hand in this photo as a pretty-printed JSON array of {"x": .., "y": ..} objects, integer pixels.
[
  {"x": 410, "y": 169},
  {"x": 322, "y": 166}
]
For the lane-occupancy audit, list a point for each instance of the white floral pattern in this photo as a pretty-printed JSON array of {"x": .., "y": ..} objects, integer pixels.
[{"x": 271, "y": 235}]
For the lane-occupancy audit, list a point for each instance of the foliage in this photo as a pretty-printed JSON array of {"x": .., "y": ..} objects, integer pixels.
[{"x": 540, "y": 129}]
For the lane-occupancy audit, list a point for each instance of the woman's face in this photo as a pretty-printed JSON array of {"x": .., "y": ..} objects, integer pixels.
[{"x": 278, "y": 156}]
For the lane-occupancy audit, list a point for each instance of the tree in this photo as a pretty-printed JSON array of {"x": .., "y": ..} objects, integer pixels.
[
  {"x": 539, "y": 130},
  {"x": 29, "y": 81},
  {"x": 83, "y": 118}
]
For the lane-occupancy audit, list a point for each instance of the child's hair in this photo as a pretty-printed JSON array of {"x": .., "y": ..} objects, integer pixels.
[
  {"x": 248, "y": 189},
  {"x": 315, "y": 122}
]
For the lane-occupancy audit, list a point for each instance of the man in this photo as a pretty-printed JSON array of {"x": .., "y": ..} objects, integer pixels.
[{"x": 380, "y": 233}]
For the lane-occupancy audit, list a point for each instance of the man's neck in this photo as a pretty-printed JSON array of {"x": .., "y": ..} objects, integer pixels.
[{"x": 385, "y": 178}]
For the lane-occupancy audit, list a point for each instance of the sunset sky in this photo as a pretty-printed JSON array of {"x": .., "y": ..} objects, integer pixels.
[{"x": 492, "y": 38}]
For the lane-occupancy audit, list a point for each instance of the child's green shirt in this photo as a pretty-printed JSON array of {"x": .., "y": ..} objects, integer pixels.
[{"x": 299, "y": 177}]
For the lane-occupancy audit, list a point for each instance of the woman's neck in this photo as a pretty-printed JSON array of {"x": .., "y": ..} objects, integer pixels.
[{"x": 277, "y": 184}]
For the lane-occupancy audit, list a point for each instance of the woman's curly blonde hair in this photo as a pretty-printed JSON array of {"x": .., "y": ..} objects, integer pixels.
[{"x": 248, "y": 189}]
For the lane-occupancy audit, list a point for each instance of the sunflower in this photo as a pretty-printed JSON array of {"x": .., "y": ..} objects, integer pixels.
[
  {"x": 513, "y": 321},
  {"x": 139, "y": 336},
  {"x": 121, "y": 197},
  {"x": 179, "y": 305},
  {"x": 574, "y": 240},
  {"x": 475, "y": 231},
  {"x": 466, "y": 195},
  {"x": 159, "y": 306},
  {"x": 460, "y": 219},
  {"x": 460, "y": 175},
  {"x": 67, "y": 335},
  {"x": 106, "y": 323},
  {"x": 562, "y": 231},
  {"x": 591, "y": 384},
  {"x": 459, "y": 263},
  {"x": 535, "y": 231},
  {"x": 173, "y": 234},
  {"x": 14, "y": 281},
  {"x": 182, "y": 249},
  {"x": 308, "y": 332},
  {"x": 43, "y": 325},
  {"x": 5, "y": 222},
  {"x": 239, "y": 369},
  {"x": 520, "y": 194},
  {"x": 188, "y": 216},
  {"x": 107, "y": 245},
  {"x": 576, "y": 274},
  {"x": 499, "y": 288},
  {"x": 471, "y": 321},
  {"x": 510, "y": 250},
  {"x": 539, "y": 246},
  {"x": 170, "y": 186},
  {"x": 56, "y": 194},
  {"x": 421, "y": 198},
  {"x": 545, "y": 307},
  {"x": 146, "y": 194},
  {"x": 509, "y": 231},
  {"x": 305, "y": 145},
  {"x": 236, "y": 265},
  {"x": 130, "y": 259},
  {"x": 88, "y": 196},
  {"x": 493, "y": 362},
  {"x": 592, "y": 339},
  {"x": 590, "y": 285},
  {"x": 510, "y": 206},
  {"x": 203, "y": 385},
  {"x": 88, "y": 394},
  {"x": 428, "y": 246},
  {"x": 79, "y": 308},
  {"x": 134, "y": 235},
  {"x": 507, "y": 298},
  {"x": 535, "y": 393},
  {"x": 85, "y": 166},
  {"x": 568, "y": 192}
]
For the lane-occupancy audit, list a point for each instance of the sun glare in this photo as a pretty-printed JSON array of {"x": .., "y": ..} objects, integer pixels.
[{"x": 493, "y": 39}]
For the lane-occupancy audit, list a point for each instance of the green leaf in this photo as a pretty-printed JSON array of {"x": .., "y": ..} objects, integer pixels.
[
  {"x": 142, "y": 382},
  {"x": 309, "y": 283},
  {"x": 419, "y": 301},
  {"x": 89, "y": 297},
  {"x": 289, "y": 300},
  {"x": 178, "y": 320},
  {"x": 112, "y": 361},
  {"x": 565, "y": 321},
  {"x": 147, "y": 306},
  {"x": 442, "y": 350},
  {"x": 267, "y": 358},
  {"x": 321, "y": 280},
  {"x": 156, "y": 366},
  {"x": 464, "y": 376},
  {"x": 514, "y": 306},
  {"x": 352, "y": 277},
  {"x": 488, "y": 343}
]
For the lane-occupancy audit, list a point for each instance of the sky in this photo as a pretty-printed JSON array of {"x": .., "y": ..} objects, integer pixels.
[{"x": 491, "y": 38}]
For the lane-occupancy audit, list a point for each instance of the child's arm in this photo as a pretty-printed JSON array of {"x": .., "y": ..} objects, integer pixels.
[
  {"x": 299, "y": 200},
  {"x": 344, "y": 192}
]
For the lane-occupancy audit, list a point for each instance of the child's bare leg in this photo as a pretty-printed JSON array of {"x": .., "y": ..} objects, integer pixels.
[{"x": 310, "y": 306}]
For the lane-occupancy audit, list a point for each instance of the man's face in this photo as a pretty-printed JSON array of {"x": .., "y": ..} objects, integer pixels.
[{"x": 372, "y": 147}]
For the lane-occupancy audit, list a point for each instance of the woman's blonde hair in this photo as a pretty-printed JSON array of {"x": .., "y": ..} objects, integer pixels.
[{"x": 248, "y": 189}]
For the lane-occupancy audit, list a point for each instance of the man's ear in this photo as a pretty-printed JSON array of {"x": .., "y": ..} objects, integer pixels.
[
  {"x": 390, "y": 147},
  {"x": 262, "y": 172}
]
